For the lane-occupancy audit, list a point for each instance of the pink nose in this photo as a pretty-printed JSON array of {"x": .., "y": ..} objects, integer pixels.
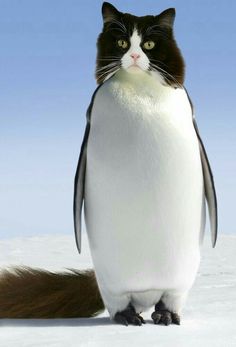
[{"x": 135, "y": 56}]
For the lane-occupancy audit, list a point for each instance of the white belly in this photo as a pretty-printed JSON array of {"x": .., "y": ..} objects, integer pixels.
[{"x": 144, "y": 188}]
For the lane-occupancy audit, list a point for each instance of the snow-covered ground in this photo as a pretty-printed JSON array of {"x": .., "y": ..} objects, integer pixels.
[{"x": 209, "y": 318}]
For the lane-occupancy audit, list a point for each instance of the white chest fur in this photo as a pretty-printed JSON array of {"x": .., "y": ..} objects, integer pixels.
[{"x": 144, "y": 186}]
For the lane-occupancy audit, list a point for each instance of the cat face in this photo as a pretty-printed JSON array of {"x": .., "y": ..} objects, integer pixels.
[{"x": 138, "y": 44}]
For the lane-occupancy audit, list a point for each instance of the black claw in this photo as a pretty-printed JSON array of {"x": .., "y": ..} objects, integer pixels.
[
  {"x": 175, "y": 318},
  {"x": 166, "y": 318},
  {"x": 136, "y": 321},
  {"x": 141, "y": 318},
  {"x": 156, "y": 317},
  {"x": 129, "y": 315}
]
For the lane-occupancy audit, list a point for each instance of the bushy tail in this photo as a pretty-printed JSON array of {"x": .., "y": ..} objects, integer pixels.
[{"x": 36, "y": 293}]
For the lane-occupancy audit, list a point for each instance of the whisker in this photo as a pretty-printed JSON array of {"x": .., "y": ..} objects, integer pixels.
[
  {"x": 111, "y": 74},
  {"x": 167, "y": 75},
  {"x": 151, "y": 28},
  {"x": 106, "y": 66},
  {"x": 117, "y": 29},
  {"x": 158, "y": 61},
  {"x": 162, "y": 74},
  {"x": 109, "y": 59},
  {"x": 113, "y": 69},
  {"x": 110, "y": 56},
  {"x": 120, "y": 25},
  {"x": 156, "y": 29}
]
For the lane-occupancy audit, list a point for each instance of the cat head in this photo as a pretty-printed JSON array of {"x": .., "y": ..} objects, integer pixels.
[{"x": 138, "y": 44}]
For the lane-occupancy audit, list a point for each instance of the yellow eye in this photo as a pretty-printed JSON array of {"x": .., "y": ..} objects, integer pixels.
[
  {"x": 149, "y": 45},
  {"x": 122, "y": 43}
]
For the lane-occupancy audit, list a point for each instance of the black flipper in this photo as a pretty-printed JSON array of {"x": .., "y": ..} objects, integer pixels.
[
  {"x": 79, "y": 188},
  {"x": 79, "y": 182},
  {"x": 210, "y": 192}
]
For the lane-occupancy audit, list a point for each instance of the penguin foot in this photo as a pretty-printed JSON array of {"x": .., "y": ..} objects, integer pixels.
[
  {"x": 163, "y": 316},
  {"x": 129, "y": 316}
]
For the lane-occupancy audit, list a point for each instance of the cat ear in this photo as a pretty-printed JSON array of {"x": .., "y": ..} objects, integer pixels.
[
  {"x": 109, "y": 12},
  {"x": 167, "y": 17}
]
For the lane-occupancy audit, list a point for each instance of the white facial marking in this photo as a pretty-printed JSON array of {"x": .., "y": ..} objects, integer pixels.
[{"x": 135, "y": 58}]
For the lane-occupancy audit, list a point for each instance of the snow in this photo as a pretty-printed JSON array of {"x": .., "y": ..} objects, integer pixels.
[{"x": 209, "y": 317}]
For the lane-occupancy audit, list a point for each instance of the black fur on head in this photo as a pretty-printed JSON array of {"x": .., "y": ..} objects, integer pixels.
[{"x": 165, "y": 57}]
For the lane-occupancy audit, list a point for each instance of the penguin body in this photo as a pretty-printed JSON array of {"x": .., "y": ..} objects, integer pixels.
[{"x": 144, "y": 194}]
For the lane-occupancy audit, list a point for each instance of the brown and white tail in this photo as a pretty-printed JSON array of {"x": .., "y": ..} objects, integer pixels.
[{"x": 36, "y": 293}]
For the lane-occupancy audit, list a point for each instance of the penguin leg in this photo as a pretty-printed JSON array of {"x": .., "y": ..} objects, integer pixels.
[
  {"x": 129, "y": 316},
  {"x": 162, "y": 315}
]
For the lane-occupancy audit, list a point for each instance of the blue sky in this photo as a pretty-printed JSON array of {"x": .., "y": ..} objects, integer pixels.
[{"x": 47, "y": 62}]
